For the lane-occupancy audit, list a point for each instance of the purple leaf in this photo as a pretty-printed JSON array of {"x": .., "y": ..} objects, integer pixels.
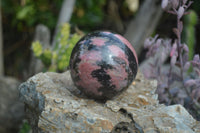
[
  {"x": 164, "y": 4},
  {"x": 190, "y": 83},
  {"x": 185, "y": 48},
  {"x": 176, "y": 31},
  {"x": 198, "y": 72},
  {"x": 189, "y": 4},
  {"x": 196, "y": 62},
  {"x": 147, "y": 43},
  {"x": 175, "y": 3},
  {"x": 180, "y": 26},
  {"x": 186, "y": 66},
  {"x": 196, "y": 58},
  {"x": 159, "y": 42},
  {"x": 163, "y": 57},
  {"x": 167, "y": 43},
  {"x": 180, "y": 12},
  {"x": 173, "y": 60},
  {"x": 185, "y": 58},
  {"x": 173, "y": 50},
  {"x": 196, "y": 94}
]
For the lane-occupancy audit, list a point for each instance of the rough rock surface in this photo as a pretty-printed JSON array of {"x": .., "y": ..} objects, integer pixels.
[
  {"x": 11, "y": 109},
  {"x": 54, "y": 104}
]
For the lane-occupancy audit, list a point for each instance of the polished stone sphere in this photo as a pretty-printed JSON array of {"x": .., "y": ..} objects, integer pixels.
[{"x": 103, "y": 64}]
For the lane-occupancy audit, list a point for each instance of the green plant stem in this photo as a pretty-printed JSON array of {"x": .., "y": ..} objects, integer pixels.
[
  {"x": 181, "y": 63},
  {"x": 180, "y": 55}
]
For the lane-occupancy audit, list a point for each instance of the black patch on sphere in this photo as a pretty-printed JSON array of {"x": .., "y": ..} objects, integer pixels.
[
  {"x": 92, "y": 47},
  {"x": 107, "y": 88},
  {"x": 102, "y": 76},
  {"x": 104, "y": 65}
]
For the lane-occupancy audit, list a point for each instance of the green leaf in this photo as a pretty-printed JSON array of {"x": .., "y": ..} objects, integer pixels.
[
  {"x": 65, "y": 31},
  {"x": 25, "y": 12},
  {"x": 25, "y": 128},
  {"x": 58, "y": 58},
  {"x": 189, "y": 36},
  {"x": 46, "y": 57},
  {"x": 37, "y": 48}
]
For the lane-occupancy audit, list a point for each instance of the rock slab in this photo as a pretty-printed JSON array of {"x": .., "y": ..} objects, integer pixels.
[
  {"x": 54, "y": 104},
  {"x": 11, "y": 109}
]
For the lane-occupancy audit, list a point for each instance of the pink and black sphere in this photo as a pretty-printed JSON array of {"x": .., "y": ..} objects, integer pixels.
[{"x": 103, "y": 64}]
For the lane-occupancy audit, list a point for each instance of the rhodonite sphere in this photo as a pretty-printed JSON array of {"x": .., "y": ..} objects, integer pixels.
[{"x": 103, "y": 64}]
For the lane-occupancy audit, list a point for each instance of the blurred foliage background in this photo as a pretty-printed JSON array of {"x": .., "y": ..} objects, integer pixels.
[
  {"x": 20, "y": 18},
  {"x": 57, "y": 58},
  {"x": 25, "y": 14}
]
